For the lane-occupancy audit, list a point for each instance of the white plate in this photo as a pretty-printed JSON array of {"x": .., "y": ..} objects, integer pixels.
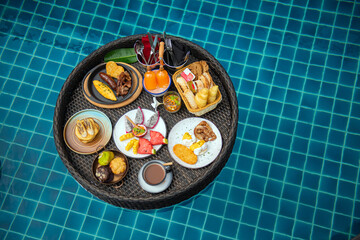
[
  {"x": 119, "y": 130},
  {"x": 188, "y": 125}
]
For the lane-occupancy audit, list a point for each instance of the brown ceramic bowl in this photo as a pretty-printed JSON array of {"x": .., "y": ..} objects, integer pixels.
[{"x": 117, "y": 177}]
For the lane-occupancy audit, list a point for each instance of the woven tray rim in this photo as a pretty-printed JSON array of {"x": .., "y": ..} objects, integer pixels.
[{"x": 155, "y": 201}]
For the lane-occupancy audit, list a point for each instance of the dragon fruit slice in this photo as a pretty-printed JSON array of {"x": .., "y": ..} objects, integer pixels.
[
  {"x": 128, "y": 126},
  {"x": 153, "y": 120},
  {"x": 139, "y": 117}
]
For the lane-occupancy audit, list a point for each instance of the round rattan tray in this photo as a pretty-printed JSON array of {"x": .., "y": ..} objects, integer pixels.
[{"x": 186, "y": 182}]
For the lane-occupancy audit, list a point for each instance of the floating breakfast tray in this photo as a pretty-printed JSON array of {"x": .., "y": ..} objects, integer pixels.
[{"x": 186, "y": 182}]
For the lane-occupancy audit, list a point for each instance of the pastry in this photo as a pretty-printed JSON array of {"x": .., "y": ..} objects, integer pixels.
[
  {"x": 190, "y": 98},
  {"x": 203, "y": 131},
  {"x": 213, "y": 94},
  {"x": 201, "y": 97},
  {"x": 86, "y": 130},
  {"x": 118, "y": 165},
  {"x": 185, "y": 154}
]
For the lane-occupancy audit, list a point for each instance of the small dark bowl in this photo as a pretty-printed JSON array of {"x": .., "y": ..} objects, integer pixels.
[{"x": 117, "y": 177}]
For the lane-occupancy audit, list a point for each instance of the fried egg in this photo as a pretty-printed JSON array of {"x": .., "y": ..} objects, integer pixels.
[
  {"x": 188, "y": 139},
  {"x": 199, "y": 147}
]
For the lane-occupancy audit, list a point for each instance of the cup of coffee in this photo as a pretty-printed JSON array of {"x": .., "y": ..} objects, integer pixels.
[{"x": 154, "y": 172}]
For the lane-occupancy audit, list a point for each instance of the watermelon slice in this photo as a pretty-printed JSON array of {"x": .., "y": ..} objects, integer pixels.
[
  {"x": 145, "y": 147},
  {"x": 139, "y": 117},
  {"x": 157, "y": 138},
  {"x": 153, "y": 120}
]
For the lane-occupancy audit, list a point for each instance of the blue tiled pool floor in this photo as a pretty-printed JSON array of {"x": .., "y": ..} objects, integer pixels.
[{"x": 294, "y": 170}]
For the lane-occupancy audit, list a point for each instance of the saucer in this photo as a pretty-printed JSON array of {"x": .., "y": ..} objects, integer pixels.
[{"x": 157, "y": 188}]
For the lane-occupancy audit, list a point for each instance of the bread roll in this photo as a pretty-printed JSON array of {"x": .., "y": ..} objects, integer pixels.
[
  {"x": 201, "y": 97},
  {"x": 190, "y": 98},
  {"x": 205, "y": 67},
  {"x": 208, "y": 78},
  {"x": 181, "y": 81},
  {"x": 213, "y": 94},
  {"x": 199, "y": 85},
  {"x": 196, "y": 68},
  {"x": 204, "y": 80}
]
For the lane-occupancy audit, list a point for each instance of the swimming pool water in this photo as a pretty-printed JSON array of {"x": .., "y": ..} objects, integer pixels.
[{"x": 294, "y": 170}]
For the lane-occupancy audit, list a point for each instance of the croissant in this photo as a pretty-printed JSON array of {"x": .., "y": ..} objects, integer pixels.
[
  {"x": 213, "y": 94},
  {"x": 201, "y": 97}
]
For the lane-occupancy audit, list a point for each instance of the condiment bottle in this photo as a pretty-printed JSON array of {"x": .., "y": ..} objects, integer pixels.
[
  {"x": 150, "y": 79},
  {"x": 162, "y": 76}
]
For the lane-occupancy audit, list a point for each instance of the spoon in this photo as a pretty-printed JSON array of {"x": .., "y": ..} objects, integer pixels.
[
  {"x": 139, "y": 48},
  {"x": 168, "y": 164},
  {"x": 131, "y": 121},
  {"x": 155, "y": 103},
  {"x": 153, "y": 48}
]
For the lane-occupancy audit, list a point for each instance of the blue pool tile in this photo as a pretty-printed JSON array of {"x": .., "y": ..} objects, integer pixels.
[
  {"x": 290, "y": 192},
  {"x": 49, "y": 195},
  {"x": 159, "y": 226},
  {"x": 111, "y": 214},
  {"x": 40, "y": 175},
  {"x": 27, "y": 207},
  {"x": 341, "y": 222},
  {"x": 43, "y": 212},
  {"x": 302, "y": 230},
  {"x": 246, "y": 231},
  {"x": 348, "y": 173},
  {"x": 52, "y": 232},
  {"x": 212, "y": 223},
  {"x": 91, "y": 225},
  {"x": 123, "y": 233},
  {"x": 274, "y": 187},
  {"x": 143, "y": 222},
  {"x": 217, "y": 207},
  {"x": 55, "y": 180},
  {"x": 65, "y": 201},
  {"x": 18, "y": 187},
  {"x": 127, "y": 218},
  {"x": 106, "y": 229},
  {"x": 11, "y": 203},
  {"x": 69, "y": 234},
  {"x": 24, "y": 172},
  {"x": 138, "y": 235},
  {"x": 36, "y": 229},
  {"x": 326, "y": 201},
  {"x": 7, "y": 133},
  {"x": 58, "y": 216},
  {"x": 20, "y": 224},
  {"x": 237, "y": 195},
  {"x": 74, "y": 221},
  {"x": 267, "y": 221},
  {"x": 37, "y": 141},
  {"x": 344, "y": 206},
  {"x": 349, "y": 190}
]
